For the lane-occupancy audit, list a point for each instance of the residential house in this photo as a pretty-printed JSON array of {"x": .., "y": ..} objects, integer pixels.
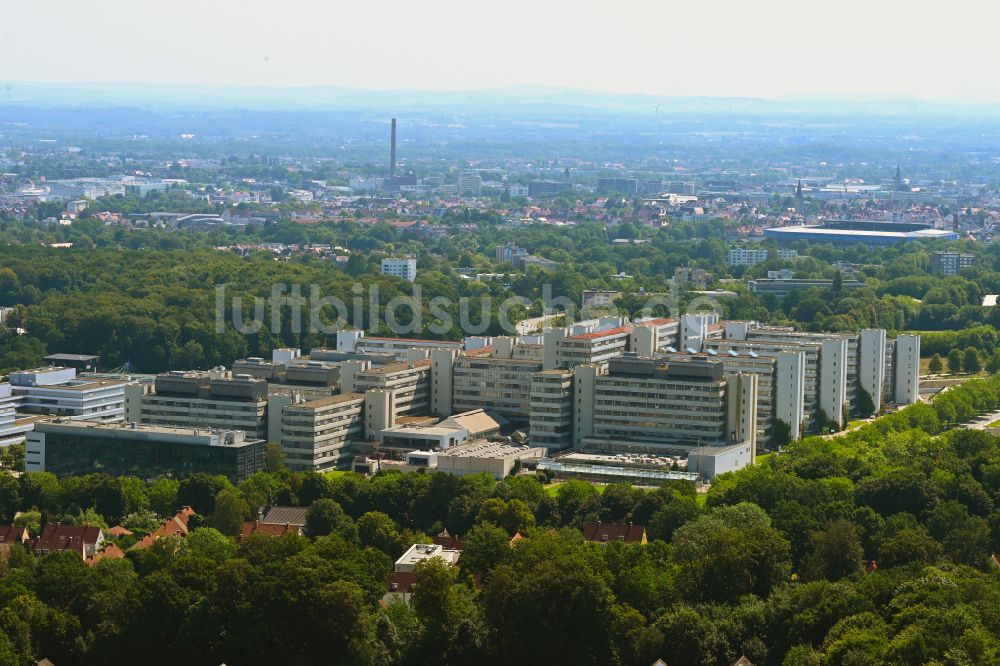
[
  {"x": 84, "y": 539},
  {"x": 175, "y": 526},
  {"x": 269, "y": 529},
  {"x": 604, "y": 533}
]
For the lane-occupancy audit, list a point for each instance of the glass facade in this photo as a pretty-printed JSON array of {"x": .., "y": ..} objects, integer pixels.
[{"x": 74, "y": 454}]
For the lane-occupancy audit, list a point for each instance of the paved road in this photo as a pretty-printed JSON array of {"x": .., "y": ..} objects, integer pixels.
[{"x": 981, "y": 422}]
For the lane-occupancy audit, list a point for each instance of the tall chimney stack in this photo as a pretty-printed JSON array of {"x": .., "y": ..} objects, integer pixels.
[{"x": 392, "y": 152}]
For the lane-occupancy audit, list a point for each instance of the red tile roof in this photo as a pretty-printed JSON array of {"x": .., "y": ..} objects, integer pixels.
[
  {"x": 13, "y": 533},
  {"x": 270, "y": 529},
  {"x": 175, "y": 526},
  {"x": 446, "y": 540},
  {"x": 42, "y": 546},
  {"x": 86, "y": 533},
  {"x": 609, "y": 532},
  {"x": 443, "y": 342},
  {"x": 112, "y": 552}
]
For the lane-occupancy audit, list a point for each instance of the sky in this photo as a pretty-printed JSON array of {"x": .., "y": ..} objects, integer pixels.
[{"x": 757, "y": 48}]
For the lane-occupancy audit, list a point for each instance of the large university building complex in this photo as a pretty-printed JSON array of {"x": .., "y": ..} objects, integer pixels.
[{"x": 660, "y": 387}]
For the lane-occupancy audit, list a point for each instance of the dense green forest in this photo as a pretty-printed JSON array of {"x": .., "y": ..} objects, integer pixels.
[
  {"x": 775, "y": 565},
  {"x": 147, "y": 296}
]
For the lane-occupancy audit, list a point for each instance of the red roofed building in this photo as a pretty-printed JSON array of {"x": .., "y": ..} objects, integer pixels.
[
  {"x": 83, "y": 539},
  {"x": 269, "y": 529},
  {"x": 573, "y": 349},
  {"x": 111, "y": 552},
  {"x": 654, "y": 334},
  {"x": 611, "y": 532},
  {"x": 14, "y": 534},
  {"x": 446, "y": 540},
  {"x": 176, "y": 526}
]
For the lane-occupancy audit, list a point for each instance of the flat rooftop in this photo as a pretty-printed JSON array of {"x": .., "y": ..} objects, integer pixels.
[
  {"x": 413, "y": 341},
  {"x": 143, "y": 428},
  {"x": 618, "y": 330},
  {"x": 861, "y": 231},
  {"x": 82, "y": 358},
  {"x": 717, "y": 450},
  {"x": 493, "y": 450},
  {"x": 326, "y": 402},
  {"x": 417, "y": 429},
  {"x": 78, "y": 385},
  {"x": 392, "y": 368}
]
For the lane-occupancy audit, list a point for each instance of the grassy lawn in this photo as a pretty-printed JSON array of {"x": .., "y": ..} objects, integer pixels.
[
  {"x": 944, "y": 374},
  {"x": 701, "y": 498},
  {"x": 337, "y": 472},
  {"x": 761, "y": 457},
  {"x": 553, "y": 488},
  {"x": 995, "y": 424}
]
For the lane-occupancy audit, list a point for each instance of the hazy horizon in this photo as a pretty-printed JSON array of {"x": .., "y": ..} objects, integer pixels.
[{"x": 772, "y": 51}]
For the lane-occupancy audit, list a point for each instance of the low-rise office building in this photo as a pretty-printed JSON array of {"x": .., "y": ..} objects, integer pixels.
[
  {"x": 746, "y": 256},
  {"x": 12, "y": 426},
  {"x": 441, "y": 435},
  {"x": 57, "y": 391},
  {"x": 401, "y": 348},
  {"x": 779, "y": 288},
  {"x": 495, "y": 458},
  {"x": 711, "y": 461},
  {"x": 203, "y": 400},
  {"x": 637, "y": 469},
  {"x": 85, "y": 447}
]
